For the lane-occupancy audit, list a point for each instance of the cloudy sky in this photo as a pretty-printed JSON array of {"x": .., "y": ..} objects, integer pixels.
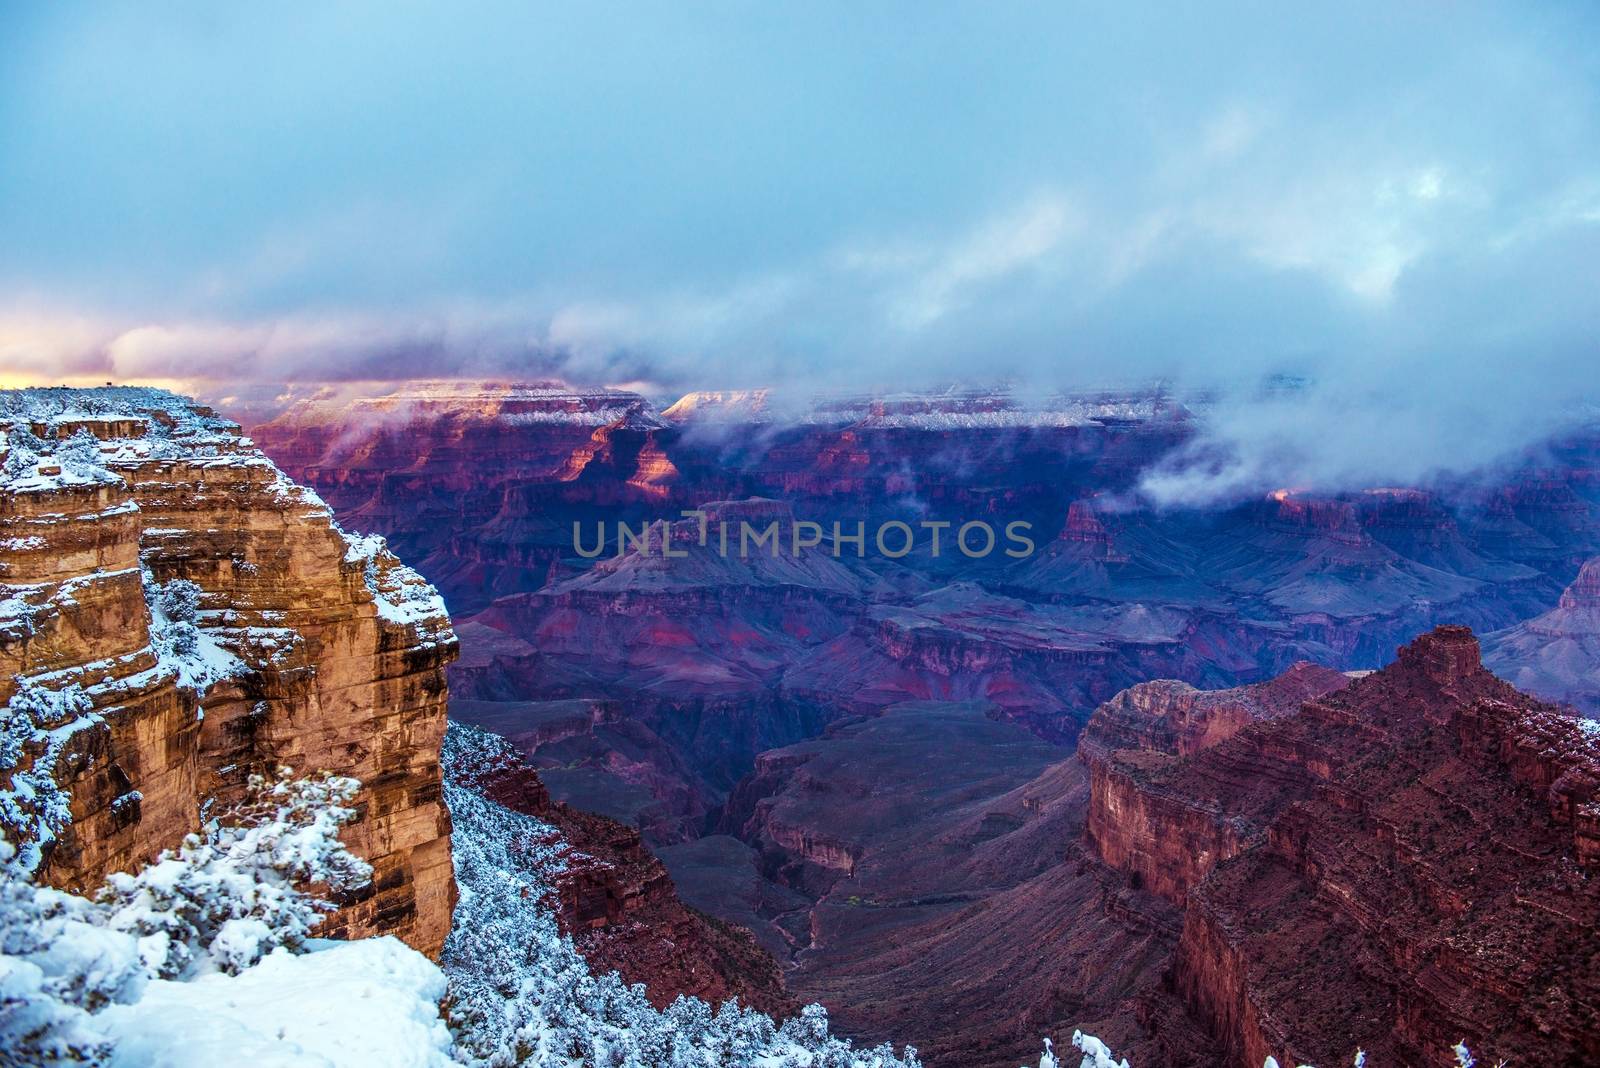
[{"x": 1395, "y": 199}]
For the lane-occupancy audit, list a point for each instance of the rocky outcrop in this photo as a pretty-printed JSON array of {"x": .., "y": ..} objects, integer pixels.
[
  {"x": 177, "y": 616},
  {"x": 1168, "y": 716},
  {"x": 1399, "y": 864},
  {"x": 616, "y": 899},
  {"x": 1166, "y": 841}
]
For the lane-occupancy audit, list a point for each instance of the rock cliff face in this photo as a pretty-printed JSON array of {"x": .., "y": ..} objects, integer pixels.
[
  {"x": 1167, "y": 842},
  {"x": 1398, "y": 864},
  {"x": 177, "y": 615}
]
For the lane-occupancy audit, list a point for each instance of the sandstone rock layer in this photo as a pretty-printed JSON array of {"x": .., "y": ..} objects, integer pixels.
[{"x": 300, "y": 647}]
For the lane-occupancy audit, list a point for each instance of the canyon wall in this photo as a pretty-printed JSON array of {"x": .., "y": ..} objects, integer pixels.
[
  {"x": 1556, "y": 655},
  {"x": 1399, "y": 864},
  {"x": 1167, "y": 840},
  {"x": 176, "y": 616}
]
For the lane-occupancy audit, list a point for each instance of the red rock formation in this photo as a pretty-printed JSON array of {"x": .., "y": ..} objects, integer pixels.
[
  {"x": 1168, "y": 841},
  {"x": 718, "y": 657},
  {"x": 1173, "y": 717},
  {"x": 617, "y": 902},
  {"x": 1398, "y": 865},
  {"x": 1584, "y": 593},
  {"x": 478, "y": 483},
  {"x": 1085, "y": 528},
  {"x": 467, "y": 478},
  {"x": 312, "y": 650}
]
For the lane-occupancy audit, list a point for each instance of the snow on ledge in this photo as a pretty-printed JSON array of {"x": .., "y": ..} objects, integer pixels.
[
  {"x": 373, "y": 1002},
  {"x": 401, "y": 595}
]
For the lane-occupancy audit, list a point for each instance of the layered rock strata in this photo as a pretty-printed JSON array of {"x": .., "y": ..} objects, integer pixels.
[
  {"x": 176, "y": 616},
  {"x": 1399, "y": 864},
  {"x": 1556, "y": 655}
]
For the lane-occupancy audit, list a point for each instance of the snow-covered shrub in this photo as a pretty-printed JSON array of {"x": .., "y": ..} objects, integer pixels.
[
  {"x": 1465, "y": 1059},
  {"x": 521, "y": 993},
  {"x": 232, "y": 893},
  {"x": 58, "y": 965},
  {"x": 36, "y": 727},
  {"x": 81, "y": 450},
  {"x": 74, "y": 992},
  {"x": 177, "y": 638},
  {"x": 174, "y": 609},
  {"x": 179, "y": 601},
  {"x": 23, "y": 452},
  {"x": 214, "y": 906},
  {"x": 23, "y": 449},
  {"x": 1096, "y": 1054}
]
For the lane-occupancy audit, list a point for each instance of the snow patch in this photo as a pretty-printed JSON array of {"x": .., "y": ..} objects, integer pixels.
[
  {"x": 369, "y": 1002},
  {"x": 400, "y": 594}
]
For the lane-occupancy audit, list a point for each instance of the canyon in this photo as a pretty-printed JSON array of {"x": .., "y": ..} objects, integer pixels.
[
  {"x": 718, "y": 657},
  {"x": 968, "y": 801},
  {"x": 1295, "y": 868}
]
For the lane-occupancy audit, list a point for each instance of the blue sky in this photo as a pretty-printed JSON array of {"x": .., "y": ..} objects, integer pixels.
[{"x": 1381, "y": 196}]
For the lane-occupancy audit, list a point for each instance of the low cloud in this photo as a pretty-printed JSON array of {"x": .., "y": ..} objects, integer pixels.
[{"x": 1403, "y": 214}]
